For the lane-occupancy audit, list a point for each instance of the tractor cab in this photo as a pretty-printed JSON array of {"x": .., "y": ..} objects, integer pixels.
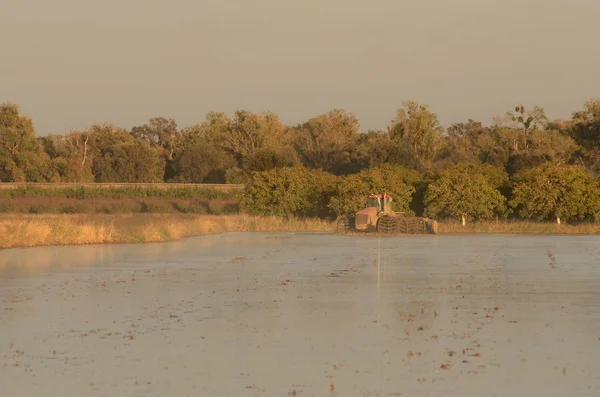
[{"x": 382, "y": 202}]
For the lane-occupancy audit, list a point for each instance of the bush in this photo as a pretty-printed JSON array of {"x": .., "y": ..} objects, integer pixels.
[
  {"x": 351, "y": 191},
  {"x": 465, "y": 191},
  {"x": 553, "y": 192},
  {"x": 288, "y": 191}
]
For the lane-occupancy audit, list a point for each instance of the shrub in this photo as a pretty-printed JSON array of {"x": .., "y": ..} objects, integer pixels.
[
  {"x": 288, "y": 191},
  {"x": 554, "y": 191},
  {"x": 352, "y": 191},
  {"x": 465, "y": 191}
]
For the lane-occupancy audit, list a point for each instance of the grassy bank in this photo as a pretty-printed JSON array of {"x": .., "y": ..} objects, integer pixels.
[
  {"x": 119, "y": 192},
  {"x": 42, "y": 230},
  {"x": 27, "y": 230},
  {"x": 92, "y": 199},
  {"x": 518, "y": 228},
  {"x": 43, "y": 205}
]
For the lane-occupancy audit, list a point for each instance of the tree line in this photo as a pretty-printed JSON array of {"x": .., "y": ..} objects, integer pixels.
[
  {"x": 518, "y": 147},
  {"x": 465, "y": 192}
]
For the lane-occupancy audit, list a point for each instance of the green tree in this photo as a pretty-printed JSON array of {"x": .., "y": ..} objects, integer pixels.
[
  {"x": 160, "y": 131},
  {"x": 553, "y": 191},
  {"x": 585, "y": 130},
  {"x": 288, "y": 191},
  {"x": 466, "y": 190},
  {"x": 202, "y": 163},
  {"x": 69, "y": 156},
  {"x": 543, "y": 147},
  {"x": 326, "y": 142},
  {"x": 243, "y": 135},
  {"x": 267, "y": 158},
  {"x": 468, "y": 142},
  {"x": 525, "y": 121},
  {"x": 376, "y": 148},
  {"x": 118, "y": 157},
  {"x": 21, "y": 156},
  {"x": 351, "y": 191},
  {"x": 418, "y": 129}
]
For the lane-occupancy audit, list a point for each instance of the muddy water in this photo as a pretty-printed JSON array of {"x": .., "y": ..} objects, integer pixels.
[{"x": 304, "y": 315}]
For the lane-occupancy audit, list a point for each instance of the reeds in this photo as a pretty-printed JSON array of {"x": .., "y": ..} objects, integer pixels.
[
  {"x": 43, "y": 230},
  {"x": 519, "y": 227},
  {"x": 22, "y": 230}
]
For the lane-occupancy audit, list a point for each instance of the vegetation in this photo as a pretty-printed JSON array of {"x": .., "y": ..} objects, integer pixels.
[
  {"x": 42, "y": 230},
  {"x": 117, "y": 206},
  {"x": 521, "y": 167},
  {"x": 39, "y": 230},
  {"x": 520, "y": 227},
  {"x": 466, "y": 190},
  {"x": 96, "y": 192},
  {"x": 288, "y": 191},
  {"x": 117, "y": 200},
  {"x": 554, "y": 191},
  {"x": 397, "y": 181}
]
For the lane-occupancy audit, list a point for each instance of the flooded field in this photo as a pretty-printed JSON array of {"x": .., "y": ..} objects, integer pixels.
[{"x": 251, "y": 314}]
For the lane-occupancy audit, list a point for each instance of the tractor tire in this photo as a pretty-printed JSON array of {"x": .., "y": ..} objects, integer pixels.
[
  {"x": 416, "y": 225},
  {"x": 406, "y": 225},
  {"x": 345, "y": 223},
  {"x": 388, "y": 224},
  {"x": 403, "y": 225},
  {"x": 432, "y": 226}
]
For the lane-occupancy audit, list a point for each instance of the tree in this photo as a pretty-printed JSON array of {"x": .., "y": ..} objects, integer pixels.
[
  {"x": 351, "y": 191},
  {"x": 465, "y": 191},
  {"x": 376, "y": 148},
  {"x": 584, "y": 128},
  {"x": 525, "y": 121},
  {"x": 417, "y": 128},
  {"x": 288, "y": 191},
  {"x": 326, "y": 141},
  {"x": 21, "y": 156},
  {"x": 553, "y": 191},
  {"x": 118, "y": 157},
  {"x": 161, "y": 132},
  {"x": 528, "y": 120},
  {"x": 543, "y": 146},
  {"x": 468, "y": 142},
  {"x": 69, "y": 156},
  {"x": 266, "y": 159},
  {"x": 202, "y": 163},
  {"x": 243, "y": 135}
]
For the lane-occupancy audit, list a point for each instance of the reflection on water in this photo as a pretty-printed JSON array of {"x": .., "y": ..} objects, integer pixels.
[
  {"x": 299, "y": 314},
  {"x": 40, "y": 260}
]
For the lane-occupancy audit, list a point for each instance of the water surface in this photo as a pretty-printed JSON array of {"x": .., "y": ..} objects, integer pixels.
[{"x": 277, "y": 314}]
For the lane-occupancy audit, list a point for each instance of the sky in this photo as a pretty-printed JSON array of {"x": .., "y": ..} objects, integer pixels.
[{"x": 71, "y": 63}]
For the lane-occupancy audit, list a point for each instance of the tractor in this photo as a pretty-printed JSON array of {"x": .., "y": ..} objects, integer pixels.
[{"x": 378, "y": 216}]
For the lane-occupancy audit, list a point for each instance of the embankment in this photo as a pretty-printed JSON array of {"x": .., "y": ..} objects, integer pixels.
[
  {"x": 41, "y": 230},
  {"x": 29, "y": 230}
]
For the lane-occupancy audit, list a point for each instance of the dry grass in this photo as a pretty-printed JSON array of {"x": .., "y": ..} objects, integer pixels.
[
  {"x": 42, "y": 230},
  {"x": 22, "y": 230},
  {"x": 518, "y": 228}
]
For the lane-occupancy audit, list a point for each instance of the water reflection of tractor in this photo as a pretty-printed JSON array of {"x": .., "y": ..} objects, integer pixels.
[{"x": 378, "y": 216}]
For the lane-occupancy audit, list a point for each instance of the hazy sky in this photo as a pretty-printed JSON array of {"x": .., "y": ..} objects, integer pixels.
[{"x": 70, "y": 63}]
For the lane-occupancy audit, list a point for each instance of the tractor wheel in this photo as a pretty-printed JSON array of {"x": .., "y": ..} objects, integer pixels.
[
  {"x": 345, "y": 223},
  {"x": 415, "y": 225},
  {"x": 432, "y": 226},
  {"x": 387, "y": 224},
  {"x": 402, "y": 225}
]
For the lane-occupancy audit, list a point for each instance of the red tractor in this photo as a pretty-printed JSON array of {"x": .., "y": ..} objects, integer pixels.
[{"x": 378, "y": 216}]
